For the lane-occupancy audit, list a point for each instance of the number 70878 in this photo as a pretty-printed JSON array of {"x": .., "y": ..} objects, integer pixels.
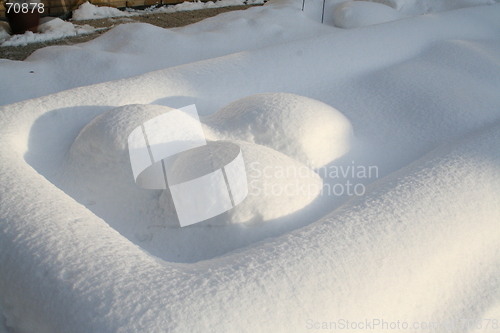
[{"x": 24, "y": 7}]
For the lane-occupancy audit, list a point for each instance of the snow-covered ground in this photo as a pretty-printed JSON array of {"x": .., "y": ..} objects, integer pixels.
[
  {"x": 54, "y": 28},
  {"x": 402, "y": 106},
  {"x": 124, "y": 52},
  {"x": 87, "y": 11},
  {"x": 49, "y": 29}
]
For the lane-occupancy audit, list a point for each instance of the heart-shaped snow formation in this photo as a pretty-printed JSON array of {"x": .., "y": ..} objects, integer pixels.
[
  {"x": 305, "y": 129},
  {"x": 98, "y": 172}
]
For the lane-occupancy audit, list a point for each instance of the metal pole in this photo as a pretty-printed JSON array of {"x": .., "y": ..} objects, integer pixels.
[{"x": 323, "y": 11}]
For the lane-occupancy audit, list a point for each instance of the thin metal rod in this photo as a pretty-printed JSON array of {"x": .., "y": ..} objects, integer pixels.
[
  {"x": 303, "y": 3},
  {"x": 323, "y": 11}
]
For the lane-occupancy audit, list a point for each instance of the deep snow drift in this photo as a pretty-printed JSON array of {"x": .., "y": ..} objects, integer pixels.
[{"x": 402, "y": 133}]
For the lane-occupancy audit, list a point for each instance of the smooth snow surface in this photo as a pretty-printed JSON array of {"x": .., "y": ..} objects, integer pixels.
[
  {"x": 406, "y": 113},
  {"x": 355, "y": 14},
  {"x": 55, "y": 28},
  {"x": 4, "y": 31},
  {"x": 285, "y": 122},
  {"x": 267, "y": 199},
  {"x": 419, "y": 7},
  {"x": 3, "y": 328},
  {"x": 88, "y": 11},
  {"x": 96, "y": 177},
  {"x": 124, "y": 52}
]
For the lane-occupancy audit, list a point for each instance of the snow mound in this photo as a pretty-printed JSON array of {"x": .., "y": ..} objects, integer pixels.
[
  {"x": 97, "y": 173},
  {"x": 421, "y": 244},
  {"x": 362, "y": 14},
  {"x": 278, "y": 186},
  {"x": 88, "y": 11},
  {"x": 125, "y": 51},
  {"x": 308, "y": 130},
  {"x": 98, "y": 167},
  {"x": 49, "y": 29},
  {"x": 4, "y": 31},
  {"x": 357, "y": 14},
  {"x": 102, "y": 144}
]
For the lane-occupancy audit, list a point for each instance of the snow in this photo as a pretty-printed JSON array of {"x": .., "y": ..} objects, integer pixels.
[
  {"x": 269, "y": 197},
  {"x": 83, "y": 249},
  {"x": 49, "y": 29},
  {"x": 4, "y": 34},
  {"x": 122, "y": 52},
  {"x": 283, "y": 122},
  {"x": 355, "y": 14},
  {"x": 340, "y": 13},
  {"x": 55, "y": 28},
  {"x": 83, "y": 175},
  {"x": 419, "y": 7},
  {"x": 88, "y": 11},
  {"x": 195, "y": 5},
  {"x": 3, "y": 329}
]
